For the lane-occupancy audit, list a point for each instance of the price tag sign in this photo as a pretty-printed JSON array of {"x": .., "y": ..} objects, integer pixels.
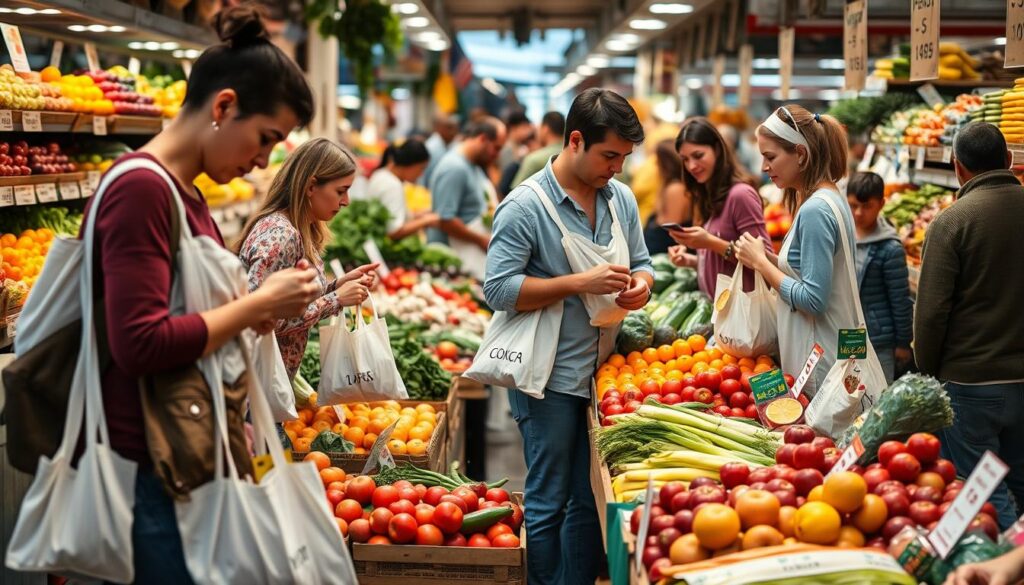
[
  {"x": 85, "y": 187},
  {"x": 850, "y": 456},
  {"x": 947, "y": 152},
  {"x": 986, "y": 476},
  {"x": 869, "y": 155},
  {"x": 32, "y": 121},
  {"x": 338, "y": 410},
  {"x": 1014, "y": 34},
  {"x": 920, "y": 158},
  {"x": 56, "y": 53},
  {"x": 6, "y": 121},
  {"x": 373, "y": 253},
  {"x": 336, "y": 268},
  {"x": 746, "y": 72},
  {"x": 805, "y": 373},
  {"x": 70, "y": 191},
  {"x": 717, "y": 72},
  {"x": 94, "y": 179},
  {"x": 768, "y": 386},
  {"x": 645, "y": 524},
  {"x": 855, "y": 44},
  {"x": 15, "y": 48},
  {"x": 924, "y": 39},
  {"x": 787, "y": 40},
  {"x": 92, "y": 57},
  {"x": 6, "y": 196},
  {"x": 853, "y": 343},
  {"x": 931, "y": 96},
  {"x": 134, "y": 65},
  {"x": 379, "y": 455},
  {"x": 46, "y": 193},
  {"x": 12, "y": 324},
  {"x": 99, "y": 125},
  {"x": 25, "y": 195}
]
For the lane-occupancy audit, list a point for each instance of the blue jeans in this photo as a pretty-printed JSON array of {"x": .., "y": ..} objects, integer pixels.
[
  {"x": 158, "y": 555},
  {"x": 989, "y": 418},
  {"x": 563, "y": 533}
]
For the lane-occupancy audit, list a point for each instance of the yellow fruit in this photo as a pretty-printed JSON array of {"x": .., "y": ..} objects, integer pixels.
[{"x": 818, "y": 523}]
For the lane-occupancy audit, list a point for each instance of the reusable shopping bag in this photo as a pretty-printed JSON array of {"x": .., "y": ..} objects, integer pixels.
[
  {"x": 518, "y": 350},
  {"x": 273, "y": 378},
  {"x": 745, "y": 322},
  {"x": 851, "y": 386},
  {"x": 358, "y": 365}
]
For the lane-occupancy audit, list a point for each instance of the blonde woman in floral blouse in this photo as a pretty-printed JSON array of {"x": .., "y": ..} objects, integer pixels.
[{"x": 307, "y": 192}]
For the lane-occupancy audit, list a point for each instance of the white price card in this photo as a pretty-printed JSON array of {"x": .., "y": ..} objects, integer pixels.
[
  {"x": 855, "y": 44},
  {"x": 86, "y": 188},
  {"x": 805, "y": 373},
  {"x": 15, "y": 48},
  {"x": 336, "y": 268},
  {"x": 70, "y": 191},
  {"x": 947, "y": 152},
  {"x": 850, "y": 456},
  {"x": 787, "y": 40},
  {"x": 6, "y": 196},
  {"x": 99, "y": 125},
  {"x": 380, "y": 457},
  {"x": 645, "y": 524},
  {"x": 922, "y": 156},
  {"x": 373, "y": 253},
  {"x": 186, "y": 66},
  {"x": 134, "y": 65},
  {"x": 46, "y": 192},
  {"x": 92, "y": 57},
  {"x": 1014, "y": 34},
  {"x": 94, "y": 179},
  {"x": 12, "y": 324},
  {"x": 924, "y": 39},
  {"x": 56, "y": 53},
  {"x": 869, "y": 155},
  {"x": 6, "y": 121},
  {"x": 31, "y": 122},
  {"x": 25, "y": 195},
  {"x": 984, "y": 480},
  {"x": 931, "y": 96}
]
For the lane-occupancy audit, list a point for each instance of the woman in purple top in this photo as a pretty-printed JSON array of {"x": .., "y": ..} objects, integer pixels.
[{"x": 723, "y": 197}]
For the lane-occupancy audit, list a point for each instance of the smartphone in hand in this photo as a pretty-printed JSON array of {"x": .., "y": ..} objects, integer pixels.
[{"x": 672, "y": 226}]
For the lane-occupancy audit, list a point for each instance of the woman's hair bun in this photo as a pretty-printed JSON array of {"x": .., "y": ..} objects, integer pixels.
[{"x": 240, "y": 26}]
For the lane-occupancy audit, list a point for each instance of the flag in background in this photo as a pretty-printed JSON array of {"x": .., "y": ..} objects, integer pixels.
[{"x": 460, "y": 66}]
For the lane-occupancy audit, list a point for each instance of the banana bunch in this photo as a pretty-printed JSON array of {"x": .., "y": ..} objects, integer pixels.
[{"x": 956, "y": 63}]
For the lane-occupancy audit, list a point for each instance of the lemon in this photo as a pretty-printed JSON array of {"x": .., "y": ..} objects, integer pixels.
[{"x": 784, "y": 411}]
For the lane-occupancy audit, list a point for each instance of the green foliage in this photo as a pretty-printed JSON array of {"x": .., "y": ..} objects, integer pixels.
[{"x": 363, "y": 25}]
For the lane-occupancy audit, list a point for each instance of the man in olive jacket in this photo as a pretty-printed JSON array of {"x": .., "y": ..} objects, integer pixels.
[{"x": 968, "y": 323}]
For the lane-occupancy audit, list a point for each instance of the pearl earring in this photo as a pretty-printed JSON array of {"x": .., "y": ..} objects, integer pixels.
[{"x": 215, "y": 125}]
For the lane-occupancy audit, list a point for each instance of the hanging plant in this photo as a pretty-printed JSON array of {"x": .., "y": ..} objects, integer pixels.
[{"x": 359, "y": 26}]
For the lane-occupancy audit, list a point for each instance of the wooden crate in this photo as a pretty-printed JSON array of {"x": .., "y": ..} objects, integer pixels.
[
  {"x": 468, "y": 389},
  {"x": 433, "y": 565},
  {"x": 600, "y": 479},
  {"x": 455, "y": 447}
]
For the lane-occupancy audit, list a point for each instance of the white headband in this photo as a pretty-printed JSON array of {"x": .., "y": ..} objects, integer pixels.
[{"x": 784, "y": 130}]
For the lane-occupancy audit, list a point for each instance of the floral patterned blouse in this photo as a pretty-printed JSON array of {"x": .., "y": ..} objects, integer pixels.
[{"x": 274, "y": 244}]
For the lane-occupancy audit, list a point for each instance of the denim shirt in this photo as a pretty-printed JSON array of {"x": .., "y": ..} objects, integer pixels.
[{"x": 527, "y": 242}]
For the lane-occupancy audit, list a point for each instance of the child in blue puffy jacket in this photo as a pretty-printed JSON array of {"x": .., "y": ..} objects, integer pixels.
[{"x": 882, "y": 274}]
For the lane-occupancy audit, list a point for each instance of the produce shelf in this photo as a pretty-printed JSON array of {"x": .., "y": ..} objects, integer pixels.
[
  {"x": 952, "y": 83},
  {"x": 36, "y": 189},
  {"x": 71, "y": 122}
]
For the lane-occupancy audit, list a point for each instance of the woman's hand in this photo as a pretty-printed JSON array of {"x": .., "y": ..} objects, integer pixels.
[
  {"x": 1005, "y": 570},
  {"x": 750, "y": 251},
  {"x": 352, "y": 293},
  {"x": 679, "y": 257},
  {"x": 696, "y": 238},
  {"x": 286, "y": 293},
  {"x": 365, "y": 274}
]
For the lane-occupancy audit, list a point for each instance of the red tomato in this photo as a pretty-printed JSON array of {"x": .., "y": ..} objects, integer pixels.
[
  {"x": 904, "y": 467},
  {"x": 402, "y": 528},
  {"x": 687, "y": 393},
  {"x": 402, "y": 507},
  {"x": 729, "y": 387},
  {"x": 723, "y": 410},
  {"x": 349, "y": 511},
  {"x": 447, "y": 349},
  {"x": 448, "y": 517},
  {"x": 479, "y": 541},
  {"x": 888, "y": 450},
  {"x": 402, "y": 483},
  {"x": 361, "y": 489},
  {"x": 731, "y": 372},
  {"x": 469, "y": 496},
  {"x": 379, "y": 520},
  {"x": 409, "y": 493},
  {"x": 359, "y": 530},
  {"x": 496, "y": 495},
  {"x": 497, "y": 529},
  {"x": 455, "y": 540},
  {"x": 750, "y": 411},
  {"x": 671, "y": 387},
  {"x": 738, "y": 412},
  {"x": 421, "y": 490},
  {"x": 924, "y": 446},
  {"x": 385, "y": 495},
  {"x": 516, "y": 519},
  {"x": 379, "y": 539},
  {"x": 505, "y": 541},
  {"x": 650, "y": 387},
  {"x": 433, "y": 495},
  {"x": 455, "y": 500},
  {"x": 738, "y": 399},
  {"x": 427, "y": 535},
  {"x": 335, "y": 497},
  {"x": 424, "y": 514}
]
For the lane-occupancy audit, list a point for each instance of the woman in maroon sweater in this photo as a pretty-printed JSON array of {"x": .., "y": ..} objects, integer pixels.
[{"x": 231, "y": 119}]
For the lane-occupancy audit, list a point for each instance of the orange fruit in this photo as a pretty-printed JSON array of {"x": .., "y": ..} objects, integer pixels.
[
  {"x": 761, "y": 536},
  {"x": 670, "y": 365},
  {"x": 650, "y": 355},
  {"x": 306, "y": 416},
  {"x": 302, "y": 444},
  {"x": 685, "y": 364},
  {"x": 294, "y": 425},
  {"x": 424, "y": 407},
  {"x": 716, "y": 526},
  {"x": 397, "y": 447},
  {"x": 426, "y": 417},
  {"x": 787, "y": 521},
  {"x": 416, "y": 447},
  {"x": 377, "y": 426},
  {"x": 758, "y": 507},
  {"x": 715, "y": 353},
  {"x": 321, "y": 460},
  {"x": 50, "y": 74},
  {"x": 666, "y": 352},
  {"x": 631, "y": 369},
  {"x": 764, "y": 359},
  {"x": 309, "y": 433},
  {"x": 675, "y": 374},
  {"x": 701, "y": 356},
  {"x": 312, "y": 399},
  {"x": 606, "y": 371},
  {"x": 321, "y": 425},
  {"x": 717, "y": 365},
  {"x": 339, "y": 429},
  {"x": 728, "y": 359},
  {"x": 747, "y": 363},
  {"x": 657, "y": 364},
  {"x": 632, "y": 357},
  {"x": 696, "y": 342},
  {"x": 850, "y": 537},
  {"x": 872, "y": 514},
  {"x": 292, "y": 436},
  {"x": 762, "y": 368},
  {"x": 330, "y": 474},
  {"x": 409, "y": 411},
  {"x": 700, "y": 368},
  {"x": 617, "y": 360},
  {"x": 369, "y": 439},
  {"x": 818, "y": 523},
  {"x": 624, "y": 379},
  {"x": 844, "y": 491},
  {"x": 400, "y": 433},
  {"x": 681, "y": 348},
  {"x": 355, "y": 434},
  {"x": 360, "y": 451},
  {"x": 359, "y": 421},
  {"x": 420, "y": 433},
  {"x": 816, "y": 494}
]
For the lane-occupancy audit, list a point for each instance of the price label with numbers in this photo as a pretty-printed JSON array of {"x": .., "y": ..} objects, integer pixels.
[
  {"x": 924, "y": 39},
  {"x": 25, "y": 195},
  {"x": 805, "y": 373},
  {"x": 6, "y": 196},
  {"x": 850, "y": 456},
  {"x": 15, "y": 48},
  {"x": 85, "y": 187},
  {"x": 12, "y": 324},
  {"x": 855, "y": 44},
  {"x": 787, "y": 40},
  {"x": 99, "y": 125},
  {"x": 853, "y": 343},
  {"x": 70, "y": 191},
  {"x": 46, "y": 192},
  {"x": 768, "y": 386},
  {"x": 984, "y": 480},
  {"x": 380, "y": 457},
  {"x": 6, "y": 121},
  {"x": 32, "y": 121},
  {"x": 921, "y": 155},
  {"x": 94, "y": 179},
  {"x": 1014, "y": 34}
]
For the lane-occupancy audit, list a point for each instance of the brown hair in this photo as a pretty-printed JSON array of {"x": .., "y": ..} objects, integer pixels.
[
  {"x": 710, "y": 197},
  {"x": 827, "y": 149},
  {"x": 316, "y": 161}
]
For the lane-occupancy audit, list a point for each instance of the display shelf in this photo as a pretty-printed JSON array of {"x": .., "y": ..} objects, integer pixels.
[
  {"x": 36, "y": 189},
  {"x": 952, "y": 83},
  {"x": 941, "y": 177},
  {"x": 71, "y": 122}
]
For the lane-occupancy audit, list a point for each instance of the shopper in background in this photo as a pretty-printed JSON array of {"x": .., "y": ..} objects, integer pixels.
[
  {"x": 724, "y": 205},
  {"x": 458, "y": 193},
  {"x": 527, "y": 270},
  {"x": 805, "y": 154},
  {"x": 229, "y": 122},
  {"x": 519, "y": 131},
  {"x": 509, "y": 173},
  {"x": 552, "y": 130},
  {"x": 446, "y": 129},
  {"x": 307, "y": 192},
  {"x": 882, "y": 274},
  {"x": 673, "y": 205},
  {"x": 400, "y": 164},
  {"x": 968, "y": 330}
]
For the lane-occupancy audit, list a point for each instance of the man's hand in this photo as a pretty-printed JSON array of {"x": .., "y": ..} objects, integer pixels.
[
  {"x": 604, "y": 279},
  {"x": 903, "y": 355},
  {"x": 636, "y": 296},
  {"x": 483, "y": 241}
]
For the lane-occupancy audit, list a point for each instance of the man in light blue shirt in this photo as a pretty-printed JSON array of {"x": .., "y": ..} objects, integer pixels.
[
  {"x": 527, "y": 270},
  {"x": 446, "y": 128}
]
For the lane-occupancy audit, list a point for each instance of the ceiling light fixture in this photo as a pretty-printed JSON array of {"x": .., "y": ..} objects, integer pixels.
[
  {"x": 438, "y": 45},
  {"x": 627, "y": 38},
  {"x": 151, "y": 46},
  {"x": 169, "y": 46},
  {"x": 193, "y": 53},
  {"x": 137, "y": 45},
  {"x": 417, "y": 22},
  {"x": 97, "y": 28},
  {"x": 586, "y": 70},
  {"x": 831, "y": 63},
  {"x": 50, "y": 11},
  {"x": 77, "y": 28},
  {"x": 614, "y": 45},
  {"x": 429, "y": 36},
  {"x": 407, "y": 8},
  {"x": 670, "y": 8},
  {"x": 116, "y": 28},
  {"x": 598, "y": 61},
  {"x": 647, "y": 24},
  {"x": 1001, "y": 41}
]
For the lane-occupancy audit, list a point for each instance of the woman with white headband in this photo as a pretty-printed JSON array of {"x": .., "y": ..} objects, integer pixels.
[{"x": 805, "y": 154}]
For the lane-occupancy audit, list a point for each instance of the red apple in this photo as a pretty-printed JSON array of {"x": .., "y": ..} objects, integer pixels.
[
  {"x": 924, "y": 513},
  {"x": 783, "y": 471},
  {"x": 707, "y": 494},
  {"x": 798, "y": 435},
  {"x": 896, "y": 503},
  {"x": 874, "y": 477},
  {"x": 734, "y": 474},
  {"x": 779, "y": 484},
  {"x": 669, "y": 490},
  {"x": 904, "y": 467},
  {"x": 945, "y": 468},
  {"x": 784, "y": 454},
  {"x": 731, "y": 372},
  {"x": 927, "y": 493},
  {"x": 807, "y": 456},
  {"x": 806, "y": 480},
  {"x": 703, "y": 481},
  {"x": 786, "y": 497},
  {"x": 894, "y": 525},
  {"x": 683, "y": 521},
  {"x": 680, "y": 501},
  {"x": 987, "y": 524},
  {"x": 823, "y": 442},
  {"x": 924, "y": 446},
  {"x": 761, "y": 475}
]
